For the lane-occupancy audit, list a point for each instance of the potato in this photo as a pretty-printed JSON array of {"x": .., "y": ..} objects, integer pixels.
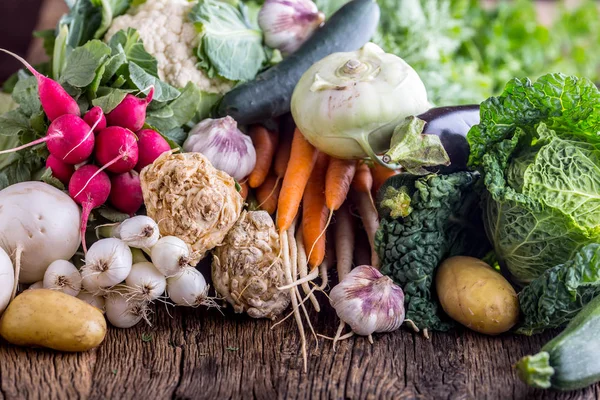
[
  {"x": 474, "y": 294},
  {"x": 52, "y": 319}
]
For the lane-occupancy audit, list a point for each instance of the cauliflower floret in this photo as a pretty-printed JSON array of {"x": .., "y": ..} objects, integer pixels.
[{"x": 169, "y": 36}]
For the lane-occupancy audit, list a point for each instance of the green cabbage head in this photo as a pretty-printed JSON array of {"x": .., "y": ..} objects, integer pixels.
[{"x": 538, "y": 147}]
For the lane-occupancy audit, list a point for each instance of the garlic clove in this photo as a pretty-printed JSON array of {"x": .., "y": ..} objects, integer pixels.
[{"x": 368, "y": 301}]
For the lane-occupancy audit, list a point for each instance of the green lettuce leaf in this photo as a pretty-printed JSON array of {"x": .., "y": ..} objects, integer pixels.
[
  {"x": 555, "y": 297},
  {"x": 229, "y": 46}
]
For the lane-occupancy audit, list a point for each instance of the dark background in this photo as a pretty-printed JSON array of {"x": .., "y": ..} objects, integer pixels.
[{"x": 18, "y": 19}]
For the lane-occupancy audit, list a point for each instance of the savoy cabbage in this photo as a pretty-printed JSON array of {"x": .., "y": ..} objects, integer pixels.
[{"x": 538, "y": 147}]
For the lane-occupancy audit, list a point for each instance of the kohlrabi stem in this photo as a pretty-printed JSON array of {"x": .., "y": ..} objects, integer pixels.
[{"x": 354, "y": 67}]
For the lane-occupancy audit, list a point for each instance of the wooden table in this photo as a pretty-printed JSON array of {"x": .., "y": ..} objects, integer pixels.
[{"x": 198, "y": 354}]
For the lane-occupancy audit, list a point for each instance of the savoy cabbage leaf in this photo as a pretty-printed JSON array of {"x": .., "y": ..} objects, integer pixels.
[
  {"x": 439, "y": 218},
  {"x": 554, "y": 298},
  {"x": 538, "y": 147}
]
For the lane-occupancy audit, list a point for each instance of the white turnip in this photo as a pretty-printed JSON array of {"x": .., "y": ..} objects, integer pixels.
[
  {"x": 7, "y": 280},
  {"x": 39, "y": 224}
]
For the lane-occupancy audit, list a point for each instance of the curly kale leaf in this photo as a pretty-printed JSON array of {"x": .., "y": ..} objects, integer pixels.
[
  {"x": 554, "y": 298},
  {"x": 444, "y": 220}
]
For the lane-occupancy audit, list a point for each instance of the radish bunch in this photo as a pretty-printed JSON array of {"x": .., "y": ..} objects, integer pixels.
[
  {"x": 98, "y": 157},
  {"x": 120, "y": 280}
]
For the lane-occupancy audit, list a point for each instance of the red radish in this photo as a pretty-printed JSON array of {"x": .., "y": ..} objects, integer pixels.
[
  {"x": 68, "y": 138},
  {"x": 55, "y": 100},
  {"x": 90, "y": 188},
  {"x": 150, "y": 145},
  {"x": 116, "y": 149},
  {"x": 94, "y": 114},
  {"x": 126, "y": 192},
  {"x": 131, "y": 112},
  {"x": 60, "y": 170}
]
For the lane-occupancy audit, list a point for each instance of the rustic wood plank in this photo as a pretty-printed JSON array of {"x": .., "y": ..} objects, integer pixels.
[{"x": 198, "y": 354}]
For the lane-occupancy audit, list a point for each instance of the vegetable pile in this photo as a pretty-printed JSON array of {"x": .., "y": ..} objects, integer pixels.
[{"x": 284, "y": 140}]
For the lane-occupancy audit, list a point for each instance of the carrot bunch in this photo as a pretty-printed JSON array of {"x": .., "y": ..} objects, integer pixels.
[{"x": 304, "y": 188}]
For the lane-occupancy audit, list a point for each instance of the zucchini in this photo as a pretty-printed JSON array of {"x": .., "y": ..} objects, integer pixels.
[
  {"x": 572, "y": 359},
  {"x": 269, "y": 94}
]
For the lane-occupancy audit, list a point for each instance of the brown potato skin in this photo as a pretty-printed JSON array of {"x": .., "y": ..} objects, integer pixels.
[
  {"x": 51, "y": 319},
  {"x": 474, "y": 294}
]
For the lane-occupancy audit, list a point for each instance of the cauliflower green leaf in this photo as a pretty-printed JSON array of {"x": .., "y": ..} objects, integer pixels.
[{"x": 229, "y": 46}]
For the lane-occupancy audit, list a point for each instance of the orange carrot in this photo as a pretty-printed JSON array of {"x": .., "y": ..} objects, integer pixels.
[
  {"x": 337, "y": 182},
  {"x": 268, "y": 193},
  {"x": 282, "y": 157},
  {"x": 265, "y": 143},
  {"x": 363, "y": 180},
  {"x": 380, "y": 175},
  {"x": 245, "y": 189},
  {"x": 302, "y": 160},
  {"x": 315, "y": 213}
]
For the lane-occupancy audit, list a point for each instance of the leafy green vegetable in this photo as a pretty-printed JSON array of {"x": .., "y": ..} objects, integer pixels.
[
  {"x": 51, "y": 180},
  {"x": 465, "y": 52},
  {"x": 142, "y": 80},
  {"x": 90, "y": 19},
  {"x": 556, "y": 296},
  {"x": 83, "y": 62},
  {"x": 441, "y": 220},
  {"x": 229, "y": 46},
  {"x": 178, "y": 113},
  {"x": 109, "y": 101},
  {"x": 128, "y": 45},
  {"x": 539, "y": 149}
]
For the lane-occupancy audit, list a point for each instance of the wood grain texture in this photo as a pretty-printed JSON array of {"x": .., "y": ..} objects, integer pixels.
[{"x": 198, "y": 354}]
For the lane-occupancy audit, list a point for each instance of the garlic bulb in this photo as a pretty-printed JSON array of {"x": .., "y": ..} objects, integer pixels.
[
  {"x": 368, "y": 301},
  {"x": 288, "y": 23},
  {"x": 225, "y": 146}
]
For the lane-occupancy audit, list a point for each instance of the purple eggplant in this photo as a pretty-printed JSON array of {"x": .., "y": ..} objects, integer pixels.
[{"x": 451, "y": 125}]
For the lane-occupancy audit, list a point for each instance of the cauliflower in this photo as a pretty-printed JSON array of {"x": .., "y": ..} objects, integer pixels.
[
  {"x": 169, "y": 36},
  {"x": 247, "y": 269},
  {"x": 191, "y": 199}
]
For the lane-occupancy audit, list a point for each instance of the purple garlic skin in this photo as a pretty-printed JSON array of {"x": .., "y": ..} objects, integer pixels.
[
  {"x": 368, "y": 301},
  {"x": 288, "y": 23}
]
